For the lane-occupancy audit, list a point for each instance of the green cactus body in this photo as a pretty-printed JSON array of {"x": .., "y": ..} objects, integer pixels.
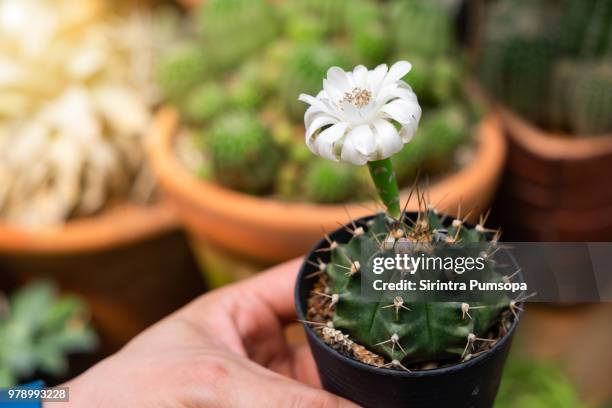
[
  {"x": 520, "y": 73},
  {"x": 304, "y": 28},
  {"x": 598, "y": 30},
  {"x": 329, "y": 182},
  {"x": 415, "y": 329},
  {"x": 330, "y": 14},
  {"x": 182, "y": 69},
  {"x": 367, "y": 33},
  {"x": 303, "y": 75},
  {"x": 422, "y": 27},
  {"x": 590, "y": 107},
  {"x": 242, "y": 153},
  {"x": 246, "y": 90},
  {"x": 443, "y": 130},
  {"x": 574, "y": 24},
  {"x": 204, "y": 103},
  {"x": 234, "y": 29}
]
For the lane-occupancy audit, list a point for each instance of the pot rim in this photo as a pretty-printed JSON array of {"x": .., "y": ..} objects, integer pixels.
[
  {"x": 551, "y": 145},
  {"x": 114, "y": 227},
  {"x": 387, "y": 371}
]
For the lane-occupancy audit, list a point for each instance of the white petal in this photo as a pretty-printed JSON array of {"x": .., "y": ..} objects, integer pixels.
[
  {"x": 397, "y": 72},
  {"x": 360, "y": 75},
  {"x": 408, "y": 131},
  {"x": 332, "y": 91},
  {"x": 318, "y": 122},
  {"x": 320, "y": 104},
  {"x": 325, "y": 141},
  {"x": 376, "y": 78},
  {"x": 362, "y": 139},
  {"x": 402, "y": 111},
  {"x": 402, "y": 92},
  {"x": 387, "y": 138},
  {"x": 351, "y": 154},
  {"x": 338, "y": 78}
]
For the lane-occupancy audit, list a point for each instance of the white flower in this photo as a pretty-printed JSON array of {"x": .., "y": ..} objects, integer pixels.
[{"x": 353, "y": 118}]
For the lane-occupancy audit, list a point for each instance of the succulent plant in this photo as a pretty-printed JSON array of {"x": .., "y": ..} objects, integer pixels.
[
  {"x": 415, "y": 329},
  {"x": 205, "y": 102},
  {"x": 246, "y": 90},
  {"x": 303, "y": 74},
  {"x": 183, "y": 68},
  {"x": 242, "y": 153},
  {"x": 234, "y": 29},
  {"x": 527, "y": 62},
  {"x": 443, "y": 130},
  {"x": 367, "y": 31},
  {"x": 330, "y": 14},
  {"x": 326, "y": 182},
  {"x": 590, "y": 108},
  {"x": 38, "y": 330},
  {"x": 422, "y": 27}
]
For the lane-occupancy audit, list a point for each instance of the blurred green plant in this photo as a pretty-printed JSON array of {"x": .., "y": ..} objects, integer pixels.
[
  {"x": 38, "y": 329},
  {"x": 535, "y": 384},
  {"x": 551, "y": 62},
  {"x": 284, "y": 50}
]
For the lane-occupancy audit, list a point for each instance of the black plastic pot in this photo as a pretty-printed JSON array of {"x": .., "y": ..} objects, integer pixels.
[{"x": 469, "y": 384}]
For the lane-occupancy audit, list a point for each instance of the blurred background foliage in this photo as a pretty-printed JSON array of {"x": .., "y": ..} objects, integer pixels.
[{"x": 238, "y": 90}]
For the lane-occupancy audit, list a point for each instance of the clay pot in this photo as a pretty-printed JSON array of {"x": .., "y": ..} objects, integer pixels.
[
  {"x": 554, "y": 187},
  {"x": 264, "y": 231},
  {"x": 130, "y": 264}
]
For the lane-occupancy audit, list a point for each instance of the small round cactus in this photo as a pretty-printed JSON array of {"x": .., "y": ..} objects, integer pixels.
[
  {"x": 304, "y": 73},
  {"x": 422, "y": 28},
  {"x": 327, "y": 182},
  {"x": 234, "y": 29},
  {"x": 242, "y": 153},
  {"x": 204, "y": 103},
  {"x": 246, "y": 90},
  {"x": 181, "y": 69},
  {"x": 410, "y": 329}
]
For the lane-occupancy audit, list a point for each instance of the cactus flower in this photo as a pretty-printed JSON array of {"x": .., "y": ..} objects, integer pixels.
[{"x": 354, "y": 117}]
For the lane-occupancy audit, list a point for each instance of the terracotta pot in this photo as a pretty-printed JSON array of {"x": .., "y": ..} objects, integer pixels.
[
  {"x": 552, "y": 188},
  {"x": 130, "y": 264},
  {"x": 265, "y": 230}
]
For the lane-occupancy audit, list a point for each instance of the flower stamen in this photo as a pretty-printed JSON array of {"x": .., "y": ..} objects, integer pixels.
[{"x": 358, "y": 97}]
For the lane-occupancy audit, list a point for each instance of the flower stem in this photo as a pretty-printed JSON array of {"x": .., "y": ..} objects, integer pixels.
[{"x": 384, "y": 179}]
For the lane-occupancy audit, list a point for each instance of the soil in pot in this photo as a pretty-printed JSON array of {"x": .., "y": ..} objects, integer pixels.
[{"x": 369, "y": 376}]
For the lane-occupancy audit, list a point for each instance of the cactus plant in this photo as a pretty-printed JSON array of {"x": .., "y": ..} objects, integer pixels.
[
  {"x": 181, "y": 69},
  {"x": 327, "y": 182},
  {"x": 532, "y": 64},
  {"x": 242, "y": 153},
  {"x": 206, "y": 101},
  {"x": 304, "y": 73},
  {"x": 589, "y": 109},
  {"x": 411, "y": 330},
  {"x": 422, "y": 27},
  {"x": 245, "y": 24},
  {"x": 37, "y": 330}
]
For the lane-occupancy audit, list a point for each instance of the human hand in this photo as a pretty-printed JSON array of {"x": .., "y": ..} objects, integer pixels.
[{"x": 225, "y": 349}]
